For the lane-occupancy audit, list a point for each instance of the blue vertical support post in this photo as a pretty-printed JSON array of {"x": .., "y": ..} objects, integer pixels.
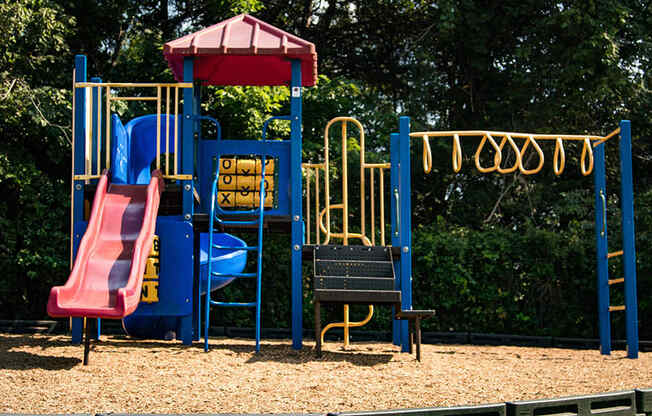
[
  {"x": 295, "y": 204},
  {"x": 405, "y": 235},
  {"x": 629, "y": 249},
  {"x": 600, "y": 183},
  {"x": 187, "y": 136},
  {"x": 196, "y": 321},
  {"x": 394, "y": 209},
  {"x": 79, "y": 137}
]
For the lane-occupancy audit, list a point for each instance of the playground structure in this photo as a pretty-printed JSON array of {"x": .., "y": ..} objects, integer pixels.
[{"x": 204, "y": 184}]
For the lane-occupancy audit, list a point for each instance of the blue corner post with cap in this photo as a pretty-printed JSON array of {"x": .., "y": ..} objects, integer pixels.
[
  {"x": 79, "y": 137},
  {"x": 405, "y": 215},
  {"x": 629, "y": 248},
  {"x": 295, "y": 204}
]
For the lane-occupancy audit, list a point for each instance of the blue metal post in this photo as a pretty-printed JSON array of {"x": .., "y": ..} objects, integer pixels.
[
  {"x": 599, "y": 180},
  {"x": 394, "y": 208},
  {"x": 196, "y": 330},
  {"x": 295, "y": 204},
  {"x": 629, "y": 249},
  {"x": 405, "y": 235},
  {"x": 79, "y": 161},
  {"x": 188, "y": 129},
  {"x": 187, "y": 137}
]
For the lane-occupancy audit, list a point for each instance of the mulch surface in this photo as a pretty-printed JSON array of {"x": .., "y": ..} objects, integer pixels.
[{"x": 44, "y": 374}]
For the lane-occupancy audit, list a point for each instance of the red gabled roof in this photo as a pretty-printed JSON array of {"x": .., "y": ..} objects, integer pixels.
[{"x": 242, "y": 50}]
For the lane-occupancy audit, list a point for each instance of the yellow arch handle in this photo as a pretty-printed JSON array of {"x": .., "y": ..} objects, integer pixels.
[{"x": 347, "y": 324}]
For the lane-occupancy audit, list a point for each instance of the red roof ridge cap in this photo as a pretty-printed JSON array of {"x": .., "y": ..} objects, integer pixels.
[{"x": 254, "y": 38}]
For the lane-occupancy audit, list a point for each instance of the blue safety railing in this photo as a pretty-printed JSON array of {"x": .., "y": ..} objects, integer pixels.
[
  {"x": 217, "y": 215},
  {"x": 269, "y": 120}
]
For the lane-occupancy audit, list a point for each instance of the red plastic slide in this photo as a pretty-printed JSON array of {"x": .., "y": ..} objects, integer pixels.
[{"x": 108, "y": 273}]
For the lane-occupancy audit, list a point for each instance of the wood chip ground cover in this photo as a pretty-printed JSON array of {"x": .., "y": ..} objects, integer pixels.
[{"x": 44, "y": 374}]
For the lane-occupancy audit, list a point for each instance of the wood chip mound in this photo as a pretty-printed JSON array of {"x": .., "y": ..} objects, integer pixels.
[{"x": 44, "y": 374}]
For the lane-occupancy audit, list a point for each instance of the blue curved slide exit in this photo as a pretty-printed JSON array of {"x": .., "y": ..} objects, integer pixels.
[{"x": 224, "y": 261}]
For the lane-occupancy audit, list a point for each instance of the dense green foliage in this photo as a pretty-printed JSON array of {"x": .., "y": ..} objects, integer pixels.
[{"x": 493, "y": 253}]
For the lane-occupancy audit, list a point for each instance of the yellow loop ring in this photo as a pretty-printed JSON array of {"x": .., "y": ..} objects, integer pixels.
[
  {"x": 517, "y": 153},
  {"x": 559, "y": 158},
  {"x": 587, "y": 150},
  {"x": 457, "y": 153},
  {"x": 427, "y": 155},
  {"x": 530, "y": 139},
  {"x": 497, "y": 159}
]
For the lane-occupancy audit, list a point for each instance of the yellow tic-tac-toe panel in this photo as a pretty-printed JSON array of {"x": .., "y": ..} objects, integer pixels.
[{"x": 239, "y": 182}]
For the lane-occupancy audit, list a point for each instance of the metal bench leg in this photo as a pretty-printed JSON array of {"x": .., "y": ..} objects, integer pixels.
[
  {"x": 417, "y": 324},
  {"x": 87, "y": 341},
  {"x": 410, "y": 335},
  {"x": 318, "y": 328}
]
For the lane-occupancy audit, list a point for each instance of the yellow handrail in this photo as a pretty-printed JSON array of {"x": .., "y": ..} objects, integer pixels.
[
  {"x": 559, "y": 157},
  {"x": 312, "y": 171},
  {"x": 111, "y": 96},
  {"x": 347, "y": 324}
]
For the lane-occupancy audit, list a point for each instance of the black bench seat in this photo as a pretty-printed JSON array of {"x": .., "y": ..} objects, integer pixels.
[{"x": 360, "y": 275}]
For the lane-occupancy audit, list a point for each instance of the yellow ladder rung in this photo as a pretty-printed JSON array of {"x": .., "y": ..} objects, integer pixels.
[
  {"x": 615, "y": 254},
  {"x": 616, "y": 308},
  {"x": 615, "y": 281}
]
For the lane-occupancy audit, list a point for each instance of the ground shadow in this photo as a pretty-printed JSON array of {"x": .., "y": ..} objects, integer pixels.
[
  {"x": 12, "y": 359},
  {"x": 287, "y": 355},
  {"x": 123, "y": 341}
]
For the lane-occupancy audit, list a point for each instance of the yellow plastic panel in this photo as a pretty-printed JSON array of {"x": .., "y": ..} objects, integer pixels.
[
  {"x": 227, "y": 182},
  {"x": 149, "y": 292},
  {"x": 246, "y": 167},
  {"x": 244, "y": 198},
  {"x": 269, "y": 167},
  {"x": 269, "y": 199},
  {"x": 151, "y": 268},
  {"x": 249, "y": 183},
  {"x": 226, "y": 199},
  {"x": 227, "y": 165},
  {"x": 155, "y": 246}
]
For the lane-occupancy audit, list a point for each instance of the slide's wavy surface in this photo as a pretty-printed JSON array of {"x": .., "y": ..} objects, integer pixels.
[{"x": 107, "y": 276}]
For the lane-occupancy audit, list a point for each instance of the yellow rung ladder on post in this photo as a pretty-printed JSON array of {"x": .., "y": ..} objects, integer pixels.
[{"x": 616, "y": 308}]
